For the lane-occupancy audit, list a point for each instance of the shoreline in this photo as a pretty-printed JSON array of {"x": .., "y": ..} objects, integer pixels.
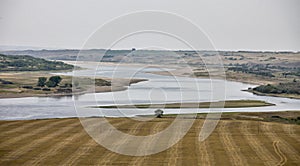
[
  {"x": 244, "y": 115},
  {"x": 181, "y": 73},
  {"x": 290, "y": 96},
  {"x": 217, "y": 104},
  {"x": 98, "y": 89},
  {"x": 252, "y": 82}
]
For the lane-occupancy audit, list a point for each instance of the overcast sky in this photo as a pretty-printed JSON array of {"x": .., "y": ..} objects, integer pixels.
[{"x": 230, "y": 24}]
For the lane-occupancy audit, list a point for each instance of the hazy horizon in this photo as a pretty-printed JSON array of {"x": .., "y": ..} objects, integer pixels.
[
  {"x": 6, "y": 48},
  {"x": 269, "y": 25}
]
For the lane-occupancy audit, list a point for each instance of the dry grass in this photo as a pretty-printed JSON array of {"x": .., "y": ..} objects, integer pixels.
[
  {"x": 234, "y": 142},
  {"x": 20, "y": 79}
]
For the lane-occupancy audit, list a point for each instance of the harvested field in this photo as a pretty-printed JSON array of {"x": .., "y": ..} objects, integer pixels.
[{"x": 233, "y": 142}]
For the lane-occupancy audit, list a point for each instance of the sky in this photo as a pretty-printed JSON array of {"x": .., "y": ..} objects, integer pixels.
[{"x": 230, "y": 25}]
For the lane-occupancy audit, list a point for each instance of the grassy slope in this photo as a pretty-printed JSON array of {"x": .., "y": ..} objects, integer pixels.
[{"x": 28, "y": 63}]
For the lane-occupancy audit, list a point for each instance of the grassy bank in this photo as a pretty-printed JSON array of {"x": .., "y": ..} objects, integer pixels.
[
  {"x": 220, "y": 104},
  {"x": 288, "y": 117},
  {"x": 292, "y": 96},
  {"x": 289, "y": 90}
]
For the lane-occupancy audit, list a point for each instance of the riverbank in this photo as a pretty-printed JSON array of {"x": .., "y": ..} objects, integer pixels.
[
  {"x": 227, "y": 75},
  {"x": 220, "y": 104},
  {"x": 291, "y": 96},
  {"x": 291, "y": 117},
  {"x": 24, "y": 84},
  {"x": 232, "y": 76}
]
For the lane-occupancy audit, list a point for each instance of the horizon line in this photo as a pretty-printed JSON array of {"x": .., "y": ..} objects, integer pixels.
[{"x": 188, "y": 50}]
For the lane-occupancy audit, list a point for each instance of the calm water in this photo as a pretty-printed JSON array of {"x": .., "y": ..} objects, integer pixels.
[{"x": 159, "y": 89}]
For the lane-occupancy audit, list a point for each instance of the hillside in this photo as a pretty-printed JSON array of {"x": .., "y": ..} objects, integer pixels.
[{"x": 29, "y": 63}]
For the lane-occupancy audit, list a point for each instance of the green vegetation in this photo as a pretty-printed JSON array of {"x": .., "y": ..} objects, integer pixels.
[
  {"x": 101, "y": 82},
  {"x": 292, "y": 120},
  {"x": 4, "y": 82},
  {"x": 23, "y": 84},
  {"x": 34, "y": 83},
  {"x": 281, "y": 88},
  {"x": 256, "y": 69},
  {"x": 28, "y": 63},
  {"x": 201, "y": 74},
  {"x": 42, "y": 81},
  {"x": 227, "y": 104},
  {"x": 53, "y": 81},
  {"x": 288, "y": 117}
]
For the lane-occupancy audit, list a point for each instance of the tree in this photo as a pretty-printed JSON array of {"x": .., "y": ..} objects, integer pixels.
[
  {"x": 42, "y": 81},
  {"x": 53, "y": 81},
  {"x": 50, "y": 84},
  {"x": 158, "y": 113}
]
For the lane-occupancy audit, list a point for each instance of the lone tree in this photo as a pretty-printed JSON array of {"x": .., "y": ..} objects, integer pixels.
[
  {"x": 158, "y": 113},
  {"x": 42, "y": 81},
  {"x": 53, "y": 81}
]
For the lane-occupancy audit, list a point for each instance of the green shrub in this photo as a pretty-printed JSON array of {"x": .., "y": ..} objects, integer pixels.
[
  {"x": 53, "y": 81},
  {"x": 50, "y": 84},
  {"x": 42, "y": 81},
  {"x": 46, "y": 89},
  {"x": 27, "y": 87}
]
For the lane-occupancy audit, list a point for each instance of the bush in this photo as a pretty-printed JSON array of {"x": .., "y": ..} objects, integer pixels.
[
  {"x": 27, "y": 87},
  {"x": 46, "y": 89},
  {"x": 64, "y": 90},
  {"x": 50, "y": 84},
  {"x": 5, "y": 82},
  {"x": 42, "y": 81},
  {"x": 53, "y": 81}
]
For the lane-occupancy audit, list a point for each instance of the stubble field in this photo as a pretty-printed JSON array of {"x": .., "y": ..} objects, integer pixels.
[{"x": 233, "y": 142}]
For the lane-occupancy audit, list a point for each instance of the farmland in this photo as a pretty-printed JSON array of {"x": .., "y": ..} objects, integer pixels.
[{"x": 239, "y": 139}]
